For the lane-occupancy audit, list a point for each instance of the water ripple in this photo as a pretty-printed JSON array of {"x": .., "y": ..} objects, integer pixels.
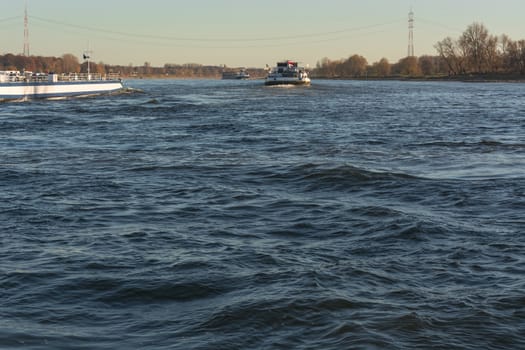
[{"x": 225, "y": 215}]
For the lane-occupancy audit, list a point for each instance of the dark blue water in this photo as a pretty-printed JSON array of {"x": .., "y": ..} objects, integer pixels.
[{"x": 229, "y": 215}]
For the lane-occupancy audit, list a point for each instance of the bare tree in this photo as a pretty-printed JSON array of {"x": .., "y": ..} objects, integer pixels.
[
  {"x": 427, "y": 65},
  {"x": 480, "y": 48},
  {"x": 382, "y": 68},
  {"x": 505, "y": 46},
  {"x": 408, "y": 66},
  {"x": 355, "y": 66},
  {"x": 516, "y": 56},
  {"x": 449, "y": 51},
  {"x": 493, "y": 55},
  {"x": 70, "y": 63}
]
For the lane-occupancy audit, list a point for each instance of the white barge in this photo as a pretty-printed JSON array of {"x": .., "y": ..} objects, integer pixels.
[
  {"x": 288, "y": 73},
  {"x": 239, "y": 75},
  {"x": 27, "y": 86}
]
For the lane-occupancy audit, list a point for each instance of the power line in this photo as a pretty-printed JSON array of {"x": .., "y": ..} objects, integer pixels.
[
  {"x": 9, "y": 19},
  {"x": 440, "y": 25},
  {"x": 290, "y": 42},
  {"x": 197, "y": 39}
]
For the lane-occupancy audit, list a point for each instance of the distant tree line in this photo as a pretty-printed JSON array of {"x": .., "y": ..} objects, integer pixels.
[
  {"x": 194, "y": 70},
  {"x": 66, "y": 63},
  {"x": 69, "y": 63},
  {"x": 475, "y": 52},
  {"x": 357, "y": 67}
]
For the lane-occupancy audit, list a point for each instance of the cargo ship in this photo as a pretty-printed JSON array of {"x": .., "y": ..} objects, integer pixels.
[
  {"x": 288, "y": 73},
  {"x": 15, "y": 85},
  {"x": 237, "y": 75}
]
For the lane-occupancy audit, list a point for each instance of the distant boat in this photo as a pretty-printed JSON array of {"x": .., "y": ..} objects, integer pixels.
[
  {"x": 26, "y": 86},
  {"x": 288, "y": 73},
  {"x": 241, "y": 74}
]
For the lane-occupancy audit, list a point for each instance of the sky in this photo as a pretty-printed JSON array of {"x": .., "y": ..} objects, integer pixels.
[{"x": 245, "y": 33}]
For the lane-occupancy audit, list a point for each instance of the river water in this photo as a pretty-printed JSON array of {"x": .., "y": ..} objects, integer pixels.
[{"x": 200, "y": 214}]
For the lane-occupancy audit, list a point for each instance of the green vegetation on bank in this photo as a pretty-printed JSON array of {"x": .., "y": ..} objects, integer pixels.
[{"x": 476, "y": 54}]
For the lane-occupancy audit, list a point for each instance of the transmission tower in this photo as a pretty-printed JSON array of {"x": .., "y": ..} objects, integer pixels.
[
  {"x": 411, "y": 33},
  {"x": 26, "y": 33}
]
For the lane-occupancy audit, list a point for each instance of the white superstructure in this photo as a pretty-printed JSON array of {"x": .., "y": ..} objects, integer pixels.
[
  {"x": 23, "y": 86},
  {"x": 288, "y": 73}
]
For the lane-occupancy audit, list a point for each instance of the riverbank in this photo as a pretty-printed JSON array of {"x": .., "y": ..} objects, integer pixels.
[
  {"x": 475, "y": 78},
  {"x": 482, "y": 78}
]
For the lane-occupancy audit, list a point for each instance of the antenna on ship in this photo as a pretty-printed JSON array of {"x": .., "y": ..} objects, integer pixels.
[
  {"x": 26, "y": 33},
  {"x": 87, "y": 56}
]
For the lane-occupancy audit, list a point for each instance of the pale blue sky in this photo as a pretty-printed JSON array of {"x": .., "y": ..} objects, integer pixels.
[{"x": 248, "y": 33}]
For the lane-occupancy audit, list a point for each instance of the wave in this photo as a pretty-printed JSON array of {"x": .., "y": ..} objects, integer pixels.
[
  {"x": 484, "y": 143},
  {"x": 263, "y": 313},
  {"x": 129, "y": 91},
  {"x": 316, "y": 176},
  {"x": 164, "y": 292}
]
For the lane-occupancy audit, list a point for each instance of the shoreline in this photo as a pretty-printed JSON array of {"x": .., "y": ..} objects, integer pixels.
[
  {"x": 459, "y": 79},
  {"x": 469, "y": 78}
]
